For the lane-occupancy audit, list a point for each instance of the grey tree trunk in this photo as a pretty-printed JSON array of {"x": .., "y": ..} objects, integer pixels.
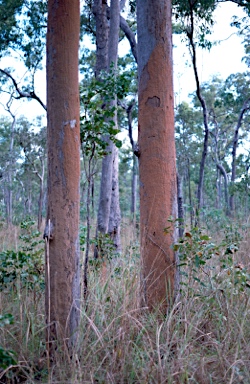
[
  {"x": 108, "y": 220},
  {"x": 9, "y": 194},
  {"x": 190, "y": 35},
  {"x": 102, "y": 33},
  {"x": 115, "y": 213}
]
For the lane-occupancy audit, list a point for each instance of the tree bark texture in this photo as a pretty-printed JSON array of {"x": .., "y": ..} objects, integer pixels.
[
  {"x": 62, "y": 226},
  {"x": 102, "y": 33},
  {"x": 157, "y": 158}
]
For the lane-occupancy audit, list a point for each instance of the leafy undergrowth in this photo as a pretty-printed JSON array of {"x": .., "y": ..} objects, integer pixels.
[{"x": 203, "y": 339}]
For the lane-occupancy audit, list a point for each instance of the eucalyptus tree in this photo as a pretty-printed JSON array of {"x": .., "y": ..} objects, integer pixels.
[
  {"x": 197, "y": 15},
  {"x": 63, "y": 139},
  {"x": 109, "y": 209},
  {"x": 227, "y": 104},
  {"x": 188, "y": 123},
  {"x": 107, "y": 38},
  {"x": 236, "y": 97},
  {"x": 157, "y": 159}
]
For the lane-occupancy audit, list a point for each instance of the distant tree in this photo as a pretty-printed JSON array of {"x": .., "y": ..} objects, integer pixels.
[
  {"x": 34, "y": 147},
  {"x": 107, "y": 37}
]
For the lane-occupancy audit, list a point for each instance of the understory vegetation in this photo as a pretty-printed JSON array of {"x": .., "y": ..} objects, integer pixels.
[{"x": 203, "y": 339}]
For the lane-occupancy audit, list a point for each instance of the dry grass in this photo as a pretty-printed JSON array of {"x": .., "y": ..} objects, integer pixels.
[{"x": 204, "y": 339}]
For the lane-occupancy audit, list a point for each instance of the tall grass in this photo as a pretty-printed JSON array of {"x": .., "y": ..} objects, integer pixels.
[{"x": 203, "y": 339}]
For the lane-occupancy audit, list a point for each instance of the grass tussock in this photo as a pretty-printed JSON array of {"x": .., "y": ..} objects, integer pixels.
[{"x": 203, "y": 339}]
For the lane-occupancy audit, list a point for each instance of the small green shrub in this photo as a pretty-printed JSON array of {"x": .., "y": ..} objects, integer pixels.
[
  {"x": 7, "y": 357},
  {"x": 24, "y": 266},
  {"x": 212, "y": 266}
]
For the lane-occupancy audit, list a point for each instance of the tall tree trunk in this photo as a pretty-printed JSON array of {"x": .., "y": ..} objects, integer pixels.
[
  {"x": 109, "y": 210},
  {"x": 234, "y": 150},
  {"x": 9, "y": 196},
  {"x": 102, "y": 33},
  {"x": 190, "y": 35},
  {"x": 224, "y": 174},
  {"x": 115, "y": 213},
  {"x": 157, "y": 164},
  {"x": 135, "y": 164},
  {"x": 62, "y": 224}
]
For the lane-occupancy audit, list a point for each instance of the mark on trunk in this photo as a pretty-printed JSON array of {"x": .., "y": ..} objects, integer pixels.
[
  {"x": 153, "y": 102},
  {"x": 71, "y": 123}
]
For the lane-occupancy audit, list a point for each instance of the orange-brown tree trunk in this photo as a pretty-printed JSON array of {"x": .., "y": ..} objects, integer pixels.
[
  {"x": 157, "y": 160},
  {"x": 62, "y": 226}
]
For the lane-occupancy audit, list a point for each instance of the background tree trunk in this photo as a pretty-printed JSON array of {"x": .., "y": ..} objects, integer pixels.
[
  {"x": 190, "y": 35},
  {"x": 157, "y": 164},
  {"x": 9, "y": 194},
  {"x": 109, "y": 216},
  {"x": 63, "y": 137},
  {"x": 234, "y": 151}
]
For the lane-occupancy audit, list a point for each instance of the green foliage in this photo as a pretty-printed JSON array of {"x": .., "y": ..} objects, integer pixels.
[
  {"x": 97, "y": 112},
  {"x": 35, "y": 27},
  {"x": 132, "y": 5},
  {"x": 105, "y": 246},
  {"x": 24, "y": 268},
  {"x": 9, "y": 33},
  {"x": 7, "y": 357},
  {"x": 199, "y": 260},
  {"x": 196, "y": 18}
]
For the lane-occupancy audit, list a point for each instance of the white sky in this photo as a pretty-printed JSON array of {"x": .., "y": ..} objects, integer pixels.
[{"x": 223, "y": 60}]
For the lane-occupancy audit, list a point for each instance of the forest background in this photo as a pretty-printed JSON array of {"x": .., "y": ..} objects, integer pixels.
[{"x": 221, "y": 210}]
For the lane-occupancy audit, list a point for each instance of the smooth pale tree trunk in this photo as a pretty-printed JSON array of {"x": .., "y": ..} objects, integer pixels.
[
  {"x": 109, "y": 216},
  {"x": 224, "y": 174},
  {"x": 115, "y": 213},
  {"x": 157, "y": 157},
  {"x": 9, "y": 194},
  {"x": 63, "y": 137},
  {"x": 135, "y": 162}
]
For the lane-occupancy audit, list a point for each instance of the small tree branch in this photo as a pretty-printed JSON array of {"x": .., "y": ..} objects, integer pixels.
[{"x": 22, "y": 94}]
